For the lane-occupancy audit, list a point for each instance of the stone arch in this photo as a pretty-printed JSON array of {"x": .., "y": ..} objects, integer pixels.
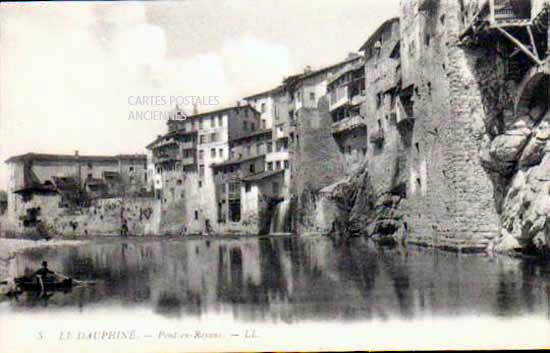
[{"x": 533, "y": 90}]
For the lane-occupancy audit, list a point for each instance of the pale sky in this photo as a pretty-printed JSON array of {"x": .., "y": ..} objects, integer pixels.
[{"x": 70, "y": 72}]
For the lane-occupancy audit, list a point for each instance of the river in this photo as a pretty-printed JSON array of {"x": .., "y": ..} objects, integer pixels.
[{"x": 275, "y": 293}]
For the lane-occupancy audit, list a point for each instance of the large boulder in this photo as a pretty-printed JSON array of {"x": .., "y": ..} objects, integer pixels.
[
  {"x": 508, "y": 146},
  {"x": 526, "y": 206}
]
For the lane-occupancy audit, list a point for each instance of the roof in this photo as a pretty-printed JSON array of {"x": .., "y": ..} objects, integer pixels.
[
  {"x": 73, "y": 158},
  {"x": 265, "y": 93},
  {"x": 354, "y": 66},
  {"x": 374, "y": 37},
  {"x": 330, "y": 67},
  {"x": 218, "y": 111},
  {"x": 263, "y": 175},
  {"x": 171, "y": 134},
  {"x": 237, "y": 161},
  {"x": 252, "y": 134}
]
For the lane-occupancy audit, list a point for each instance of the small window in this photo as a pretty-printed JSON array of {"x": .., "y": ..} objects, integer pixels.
[
  {"x": 179, "y": 182},
  {"x": 252, "y": 168},
  {"x": 202, "y": 139},
  {"x": 245, "y": 125},
  {"x": 417, "y": 145},
  {"x": 247, "y": 186},
  {"x": 131, "y": 169},
  {"x": 213, "y": 137},
  {"x": 287, "y": 165},
  {"x": 220, "y": 152},
  {"x": 262, "y": 108},
  {"x": 213, "y": 121},
  {"x": 213, "y": 153},
  {"x": 90, "y": 166},
  {"x": 264, "y": 124},
  {"x": 278, "y": 165},
  {"x": 312, "y": 96},
  {"x": 270, "y": 166},
  {"x": 196, "y": 214},
  {"x": 200, "y": 184},
  {"x": 201, "y": 170}
]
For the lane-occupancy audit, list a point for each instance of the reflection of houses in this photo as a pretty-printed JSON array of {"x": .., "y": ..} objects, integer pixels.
[{"x": 40, "y": 184}]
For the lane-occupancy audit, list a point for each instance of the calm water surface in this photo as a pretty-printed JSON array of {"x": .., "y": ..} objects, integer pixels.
[{"x": 286, "y": 279}]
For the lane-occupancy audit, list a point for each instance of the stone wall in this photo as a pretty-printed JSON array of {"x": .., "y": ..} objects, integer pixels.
[
  {"x": 316, "y": 163},
  {"x": 103, "y": 217}
]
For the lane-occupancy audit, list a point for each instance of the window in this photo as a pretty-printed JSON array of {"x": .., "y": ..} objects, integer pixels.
[
  {"x": 213, "y": 121},
  {"x": 246, "y": 113},
  {"x": 349, "y": 150},
  {"x": 178, "y": 182},
  {"x": 252, "y": 168},
  {"x": 201, "y": 154},
  {"x": 220, "y": 152},
  {"x": 264, "y": 124},
  {"x": 90, "y": 176},
  {"x": 90, "y": 166},
  {"x": 213, "y": 153},
  {"x": 269, "y": 147},
  {"x": 278, "y": 165},
  {"x": 131, "y": 169},
  {"x": 312, "y": 96},
  {"x": 196, "y": 214},
  {"x": 252, "y": 126},
  {"x": 270, "y": 166},
  {"x": 202, "y": 139},
  {"x": 193, "y": 125},
  {"x": 201, "y": 123},
  {"x": 248, "y": 150},
  {"x": 287, "y": 165},
  {"x": 247, "y": 186},
  {"x": 276, "y": 112},
  {"x": 245, "y": 125},
  {"x": 213, "y": 137},
  {"x": 259, "y": 148},
  {"x": 201, "y": 171},
  {"x": 200, "y": 184},
  {"x": 262, "y": 109},
  {"x": 417, "y": 145}
]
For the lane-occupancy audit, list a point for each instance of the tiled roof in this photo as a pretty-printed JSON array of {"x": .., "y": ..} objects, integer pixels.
[
  {"x": 263, "y": 175},
  {"x": 237, "y": 161},
  {"x": 252, "y": 134},
  {"x": 374, "y": 37},
  {"x": 74, "y": 158}
]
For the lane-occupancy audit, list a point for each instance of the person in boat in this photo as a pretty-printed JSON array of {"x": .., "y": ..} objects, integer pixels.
[{"x": 43, "y": 273}]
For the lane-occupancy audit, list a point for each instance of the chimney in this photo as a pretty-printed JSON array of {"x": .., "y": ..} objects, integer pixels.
[
  {"x": 307, "y": 69},
  {"x": 76, "y": 153}
]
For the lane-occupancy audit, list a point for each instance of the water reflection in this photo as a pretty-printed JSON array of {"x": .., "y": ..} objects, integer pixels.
[{"x": 289, "y": 279}]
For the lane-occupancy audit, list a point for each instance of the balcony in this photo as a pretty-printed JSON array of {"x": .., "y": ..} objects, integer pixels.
[
  {"x": 338, "y": 97},
  {"x": 166, "y": 157},
  {"x": 348, "y": 124}
]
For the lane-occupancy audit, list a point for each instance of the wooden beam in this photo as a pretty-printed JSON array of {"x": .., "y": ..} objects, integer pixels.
[
  {"x": 520, "y": 46},
  {"x": 533, "y": 44}
]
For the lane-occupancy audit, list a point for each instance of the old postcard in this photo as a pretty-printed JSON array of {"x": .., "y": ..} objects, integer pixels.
[{"x": 274, "y": 175}]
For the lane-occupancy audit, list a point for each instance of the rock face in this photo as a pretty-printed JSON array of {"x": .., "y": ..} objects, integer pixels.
[{"x": 524, "y": 160}]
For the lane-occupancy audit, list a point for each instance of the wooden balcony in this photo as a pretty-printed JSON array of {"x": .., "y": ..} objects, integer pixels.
[{"x": 348, "y": 124}]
